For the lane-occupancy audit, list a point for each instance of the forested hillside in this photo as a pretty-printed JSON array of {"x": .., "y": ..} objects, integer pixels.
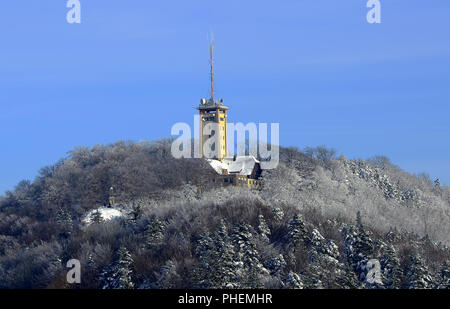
[{"x": 319, "y": 221}]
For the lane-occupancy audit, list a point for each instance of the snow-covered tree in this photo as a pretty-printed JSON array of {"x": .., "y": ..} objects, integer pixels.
[
  {"x": 204, "y": 253},
  {"x": 218, "y": 268},
  {"x": 167, "y": 276},
  {"x": 364, "y": 243},
  {"x": 118, "y": 274},
  {"x": 417, "y": 274},
  {"x": 278, "y": 213},
  {"x": 444, "y": 282},
  {"x": 359, "y": 247},
  {"x": 64, "y": 221},
  {"x": 293, "y": 281},
  {"x": 314, "y": 275},
  {"x": 154, "y": 232},
  {"x": 276, "y": 265},
  {"x": 136, "y": 212},
  {"x": 347, "y": 278},
  {"x": 263, "y": 228},
  {"x": 319, "y": 246},
  {"x": 437, "y": 183},
  {"x": 323, "y": 266},
  {"x": 96, "y": 217},
  {"x": 224, "y": 266},
  {"x": 390, "y": 268},
  {"x": 252, "y": 272},
  {"x": 297, "y": 233},
  {"x": 90, "y": 262}
]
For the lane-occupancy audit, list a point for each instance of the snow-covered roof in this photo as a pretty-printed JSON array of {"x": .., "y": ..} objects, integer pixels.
[
  {"x": 218, "y": 166},
  {"x": 242, "y": 165}
]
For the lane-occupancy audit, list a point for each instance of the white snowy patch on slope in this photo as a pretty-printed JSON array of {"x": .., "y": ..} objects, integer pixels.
[{"x": 107, "y": 214}]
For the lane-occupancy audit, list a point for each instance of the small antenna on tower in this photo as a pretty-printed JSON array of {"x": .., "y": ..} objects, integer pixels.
[{"x": 211, "y": 54}]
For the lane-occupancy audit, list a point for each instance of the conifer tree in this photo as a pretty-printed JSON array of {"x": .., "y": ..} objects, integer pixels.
[
  {"x": 417, "y": 274},
  {"x": 167, "y": 276},
  {"x": 154, "y": 232},
  {"x": 218, "y": 268},
  {"x": 323, "y": 266},
  {"x": 118, "y": 274},
  {"x": 224, "y": 267},
  {"x": 276, "y": 265},
  {"x": 136, "y": 212},
  {"x": 359, "y": 247},
  {"x": 297, "y": 233},
  {"x": 437, "y": 183},
  {"x": 445, "y": 276},
  {"x": 278, "y": 214},
  {"x": 96, "y": 217},
  {"x": 252, "y": 272},
  {"x": 390, "y": 267},
  {"x": 64, "y": 221},
  {"x": 203, "y": 251},
  {"x": 91, "y": 262},
  {"x": 314, "y": 274},
  {"x": 318, "y": 245},
  {"x": 263, "y": 228},
  {"x": 364, "y": 244},
  {"x": 347, "y": 278},
  {"x": 293, "y": 281}
]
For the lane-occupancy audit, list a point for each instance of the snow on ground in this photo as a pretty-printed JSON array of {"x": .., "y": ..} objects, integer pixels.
[{"x": 107, "y": 214}]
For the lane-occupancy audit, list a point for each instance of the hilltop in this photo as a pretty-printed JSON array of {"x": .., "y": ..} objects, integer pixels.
[{"x": 317, "y": 222}]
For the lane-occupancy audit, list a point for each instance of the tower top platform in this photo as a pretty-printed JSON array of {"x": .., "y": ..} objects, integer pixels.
[{"x": 211, "y": 104}]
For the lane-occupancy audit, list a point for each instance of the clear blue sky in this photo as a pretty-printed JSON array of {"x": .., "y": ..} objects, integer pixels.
[{"x": 134, "y": 68}]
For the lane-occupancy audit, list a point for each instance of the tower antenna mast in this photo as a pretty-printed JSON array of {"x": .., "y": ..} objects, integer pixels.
[{"x": 211, "y": 51}]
